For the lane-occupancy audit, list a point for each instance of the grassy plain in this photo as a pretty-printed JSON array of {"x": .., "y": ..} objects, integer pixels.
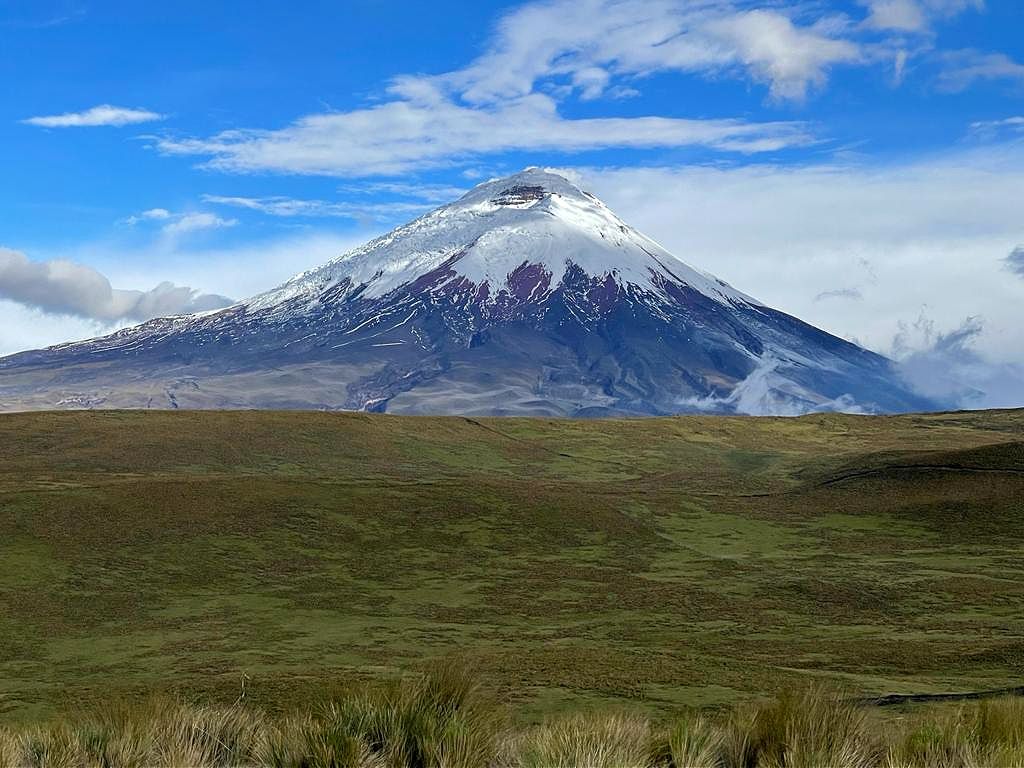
[{"x": 659, "y": 563}]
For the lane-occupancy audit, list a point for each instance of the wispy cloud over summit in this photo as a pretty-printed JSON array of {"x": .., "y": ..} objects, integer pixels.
[
  {"x": 287, "y": 207},
  {"x": 406, "y": 135}
]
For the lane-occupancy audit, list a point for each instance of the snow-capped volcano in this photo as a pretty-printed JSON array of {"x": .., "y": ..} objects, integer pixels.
[
  {"x": 536, "y": 219},
  {"x": 526, "y": 296}
]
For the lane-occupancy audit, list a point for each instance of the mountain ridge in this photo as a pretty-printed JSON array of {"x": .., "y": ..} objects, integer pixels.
[{"x": 526, "y": 296}]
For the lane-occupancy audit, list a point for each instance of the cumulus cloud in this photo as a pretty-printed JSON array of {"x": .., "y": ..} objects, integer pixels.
[
  {"x": 238, "y": 269},
  {"x": 540, "y": 55},
  {"x": 65, "y": 288},
  {"x": 946, "y": 366},
  {"x": 104, "y": 114}
]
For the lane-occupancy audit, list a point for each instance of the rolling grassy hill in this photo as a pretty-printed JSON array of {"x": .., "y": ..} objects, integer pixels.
[{"x": 684, "y": 561}]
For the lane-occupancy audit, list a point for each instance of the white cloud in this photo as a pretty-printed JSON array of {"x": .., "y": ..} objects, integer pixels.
[
  {"x": 404, "y": 135},
  {"x": 953, "y": 7},
  {"x": 62, "y": 287},
  {"x": 992, "y": 129},
  {"x": 430, "y": 193},
  {"x": 22, "y": 327},
  {"x": 587, "y": 41},
  {"x": 281, "y": 206},
  {"x": 907, "y": 15},
  {"x": 765, "y": 392},
  {"x": 1015, "y": 261},
  {"x": 153, "y": 214},
  {"x": 104, "y": 114},
  {"x": 592, "y": 82},
  {"x": 931, "y": 234},
  {"x": 544, "y": 53},
  {"x": 961, "y": 69},
  {"x": 508, "y": 99},
  {"x": 788, "y": 58},
  {"x": 181, "y": 223},
  {"x": 1013, "y": 122},
  {"x": 290, "y": 207},
  {"x": 914, "y": 15},
  {"x": 946, "y": 367},
  {"x": 241, "y": 270},
  {"x": 899, "y": 68},
  {"x": 193, "y": 222},
  {"x": 419, "y": 198}
]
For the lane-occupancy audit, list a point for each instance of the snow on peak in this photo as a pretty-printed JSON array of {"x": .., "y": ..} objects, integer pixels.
[
  {"x": 534, "y": 217},
  {"x": 532, "y": 184}
]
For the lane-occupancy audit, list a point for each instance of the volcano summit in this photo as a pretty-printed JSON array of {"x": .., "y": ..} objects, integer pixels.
[{"x": 528, "y": 296}]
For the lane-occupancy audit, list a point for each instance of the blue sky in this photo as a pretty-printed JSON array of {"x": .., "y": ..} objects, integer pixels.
[{"x": 858, "y": 163}]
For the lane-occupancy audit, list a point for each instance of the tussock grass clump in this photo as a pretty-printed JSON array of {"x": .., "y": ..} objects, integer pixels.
[
  {"x": 598, "y": 741},
  {"x": 989, "y": 734},
  {"x": 438, "y": 721},
  {"x": 805, "y": 728},
  {"x": 691, "y": 741},
  {"x": 310, "y": 742},
  {"x": 10, "y": 748},
  {"x": 812, "y": 728},
  {"x": 158, "y": 732}
]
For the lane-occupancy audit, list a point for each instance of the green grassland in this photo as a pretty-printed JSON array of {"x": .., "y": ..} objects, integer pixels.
[{"x": 666, "y": 562}]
